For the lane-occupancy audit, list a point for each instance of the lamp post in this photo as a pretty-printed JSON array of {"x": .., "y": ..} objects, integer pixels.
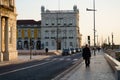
[
  {"x": 93, "y": 23},
  {"x": 97, "y": 41},
  {"x": 30, "y": 48},
  {"x": 112, "y": 41}
]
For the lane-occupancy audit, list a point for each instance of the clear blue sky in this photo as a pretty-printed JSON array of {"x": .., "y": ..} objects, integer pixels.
[{"x": 107, "y": 15}]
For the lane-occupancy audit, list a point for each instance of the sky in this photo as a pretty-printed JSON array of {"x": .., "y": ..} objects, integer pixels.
[{"x": 107, "y": 15}]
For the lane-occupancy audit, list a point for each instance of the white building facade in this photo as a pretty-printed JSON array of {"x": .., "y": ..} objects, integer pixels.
[{"x": 60, "y": 29}]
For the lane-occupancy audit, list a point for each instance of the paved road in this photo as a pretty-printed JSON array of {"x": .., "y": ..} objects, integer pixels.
[{"x": 39, "y": 69}]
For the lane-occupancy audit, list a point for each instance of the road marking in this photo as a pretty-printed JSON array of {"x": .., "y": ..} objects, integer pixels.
[
  {"x": 75, "y": 59},
  {"x": 47, "y": 59},
  {"x": 68, "y": 59},
  {"x": 54, "y": 59},
  {"x": 24, "y": 68},
  {"x": 61, "y": 59}
]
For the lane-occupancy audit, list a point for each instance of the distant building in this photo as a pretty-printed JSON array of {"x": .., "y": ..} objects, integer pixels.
[
  {"x": 8, "y": 30},
  {"x": 60, "y": 29},
  {"x": 26, "y": 30}
]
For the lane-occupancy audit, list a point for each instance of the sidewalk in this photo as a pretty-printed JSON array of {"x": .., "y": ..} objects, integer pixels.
[
  {"x": 24, "y": 58},
  {"x": 99, "y": 70}
]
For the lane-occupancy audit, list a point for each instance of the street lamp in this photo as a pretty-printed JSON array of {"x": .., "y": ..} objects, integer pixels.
[
  {"x": 93, "y": 23},
  {"x": 30, "y": 48},
  {"x": 112, "y": 41}
]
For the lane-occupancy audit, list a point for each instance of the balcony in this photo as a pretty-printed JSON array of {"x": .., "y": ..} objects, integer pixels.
[{"x": 11, "y": 8}]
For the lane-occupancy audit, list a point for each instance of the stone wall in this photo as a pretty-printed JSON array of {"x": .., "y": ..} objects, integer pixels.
[{"x": 8, "y": 31}]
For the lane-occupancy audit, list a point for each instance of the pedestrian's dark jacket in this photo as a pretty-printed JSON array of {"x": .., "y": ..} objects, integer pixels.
[
  {"x": 46, "y": 50},
  {"x": 86, "y": 53}
]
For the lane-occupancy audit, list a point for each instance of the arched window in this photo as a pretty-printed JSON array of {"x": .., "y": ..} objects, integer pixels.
[
  {"x": 19, "y": 45},
  {"x": 26, "y": 44},
  {"x": 38, "y": 45}
]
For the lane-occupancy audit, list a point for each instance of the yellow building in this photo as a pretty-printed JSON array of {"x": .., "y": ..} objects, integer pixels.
[{"x": 28, "y": 30}]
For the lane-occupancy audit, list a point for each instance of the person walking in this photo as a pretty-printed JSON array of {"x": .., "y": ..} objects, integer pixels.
[
  {"x": 46, "y": 50},
  {"x": 86, "y": 55}
]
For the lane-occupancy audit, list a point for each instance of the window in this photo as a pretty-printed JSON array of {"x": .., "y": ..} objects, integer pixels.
[
  {"x": 59, "y": 31},
  {"x": 35, "y": 25},
  {"x": 46, "y": 37},
  {"x": 28, "y": 25},
  {"x": 64, "y": 24},
  {"x": 64, "y": 31},
  {"x": 71, "y": 21},
  {"x": 10, "y": 35},
  {"x": 71, "y": 32},
  {"x": 19, "y": 33},
  {"x": 26, "y": 33},
  {"x": 46, "y": 24},
  {"x": 71, "y": 44},
  {"x": 46, "y": 33},
  {"x": 65, "y": 43},
  {"x": 64, "y": 37},
  {"x": 53, "y": 24},
  {"x": 70, "y": 37},
  {"x": 32, "y": 33},
  {"x": 52, "y": 20},
  {"x": 52, "y": 37},
  {"x": 52, "y": 32},
  {"x": 58, "y": 24},
  {"x": 70, "y": 24},
  {"x": 53, "y": 44},
  {"x": 39, "y": 34},
  {"x": 19, "y": 46},
  {"x": 46, "y": 43}
]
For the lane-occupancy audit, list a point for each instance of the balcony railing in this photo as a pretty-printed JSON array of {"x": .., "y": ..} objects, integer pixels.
[{"x": 11, "y": 8}]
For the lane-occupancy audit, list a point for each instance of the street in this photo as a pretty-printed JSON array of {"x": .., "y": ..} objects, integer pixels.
[{"x": 45, "y": 69}]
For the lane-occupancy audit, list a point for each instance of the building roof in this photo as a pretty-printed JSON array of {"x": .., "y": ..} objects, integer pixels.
[{"x": 28, "y": 22}]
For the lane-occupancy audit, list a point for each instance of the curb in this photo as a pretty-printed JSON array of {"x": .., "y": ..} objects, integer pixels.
[{"x": 60, "y": 76}]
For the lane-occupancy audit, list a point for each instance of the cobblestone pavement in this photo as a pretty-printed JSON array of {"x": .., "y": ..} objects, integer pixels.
[{"x": 99, "y": 70}]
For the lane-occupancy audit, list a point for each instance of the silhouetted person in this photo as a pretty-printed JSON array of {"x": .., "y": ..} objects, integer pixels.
[
  {"x": 86, "y": 55},
  {"x": 98, "y": 49},
  {"x": 46, "y": 50}
]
